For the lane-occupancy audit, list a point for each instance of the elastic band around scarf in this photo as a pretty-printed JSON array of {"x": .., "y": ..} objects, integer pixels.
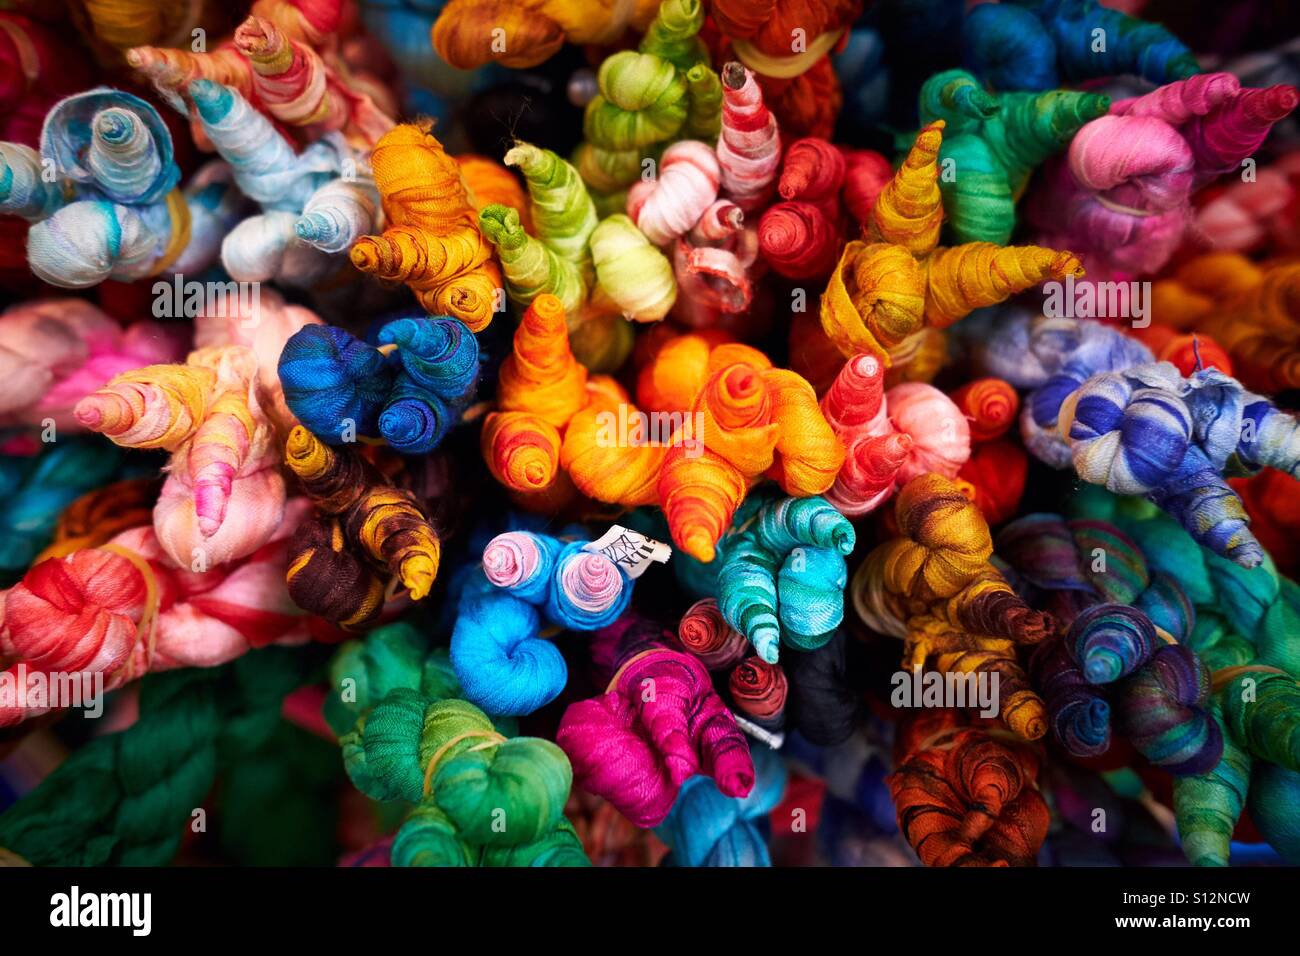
[
  {"x": 1221, "y": 678},
  {"x": 1122, "y": 209},
  {"x": 613, "y": 682},
  {"x": 904, "y": 351},
  {"x": 491, "y": 739},
  {"x": 26, "y": 57},
  {"x": 996, "y": 733},
  {"x": 10, "y": 858},
  {"x": 394, "y": 588},
  {"x": 746, "y": 526},
  {"x": 149, "y": 619},
  {"x": 785, "y": 67},
  {"x": 178, "y": 211},
  {"x": 620, "y": 18}
]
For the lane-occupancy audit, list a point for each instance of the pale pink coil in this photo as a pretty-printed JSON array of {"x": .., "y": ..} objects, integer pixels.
[
  {"x": 671, "y": 204},
  {"x": 510, "y": 559},
  {"x": 591, "y": 582},
  {"x": 939, "y": 431}
]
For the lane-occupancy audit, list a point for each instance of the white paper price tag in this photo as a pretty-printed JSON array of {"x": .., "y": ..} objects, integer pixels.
[{"x": 630, "y": 550}]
